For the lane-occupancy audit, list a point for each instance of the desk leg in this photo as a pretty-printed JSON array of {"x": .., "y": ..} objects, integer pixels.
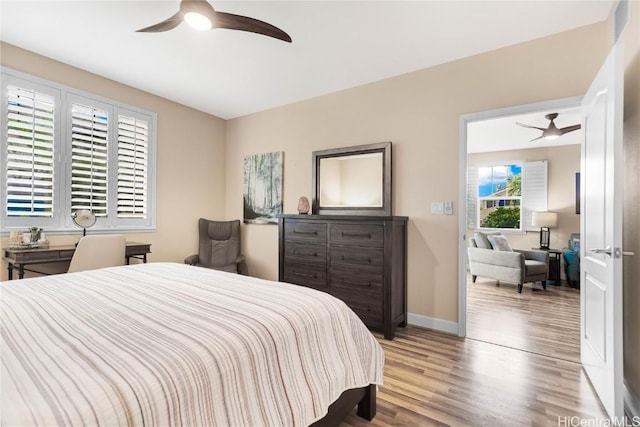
[
  {"x": 21, "y": 271},
  {"x": 144, "y": 258},
  {"x": 127, "y": 258},
  {"x": 10, "y": 271}
]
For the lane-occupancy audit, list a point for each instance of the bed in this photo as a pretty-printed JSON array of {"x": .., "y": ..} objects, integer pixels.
[{"x": 164, "y": 344}]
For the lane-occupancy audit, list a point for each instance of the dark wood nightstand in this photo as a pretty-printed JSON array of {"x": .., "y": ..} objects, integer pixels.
[{"x": 553, "y": 278}]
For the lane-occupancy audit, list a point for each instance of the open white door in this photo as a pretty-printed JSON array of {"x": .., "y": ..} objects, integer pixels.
[{"x": 601, "y": 234}]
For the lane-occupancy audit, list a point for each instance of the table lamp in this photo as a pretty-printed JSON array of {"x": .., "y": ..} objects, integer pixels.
[{"x": 544, "y": 220}]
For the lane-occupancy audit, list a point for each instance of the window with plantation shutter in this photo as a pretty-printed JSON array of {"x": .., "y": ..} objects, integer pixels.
[
  {"x": 29, "y": 168},
  {"x": 63, "y": 150},
  {"x": 89, "y": 159},
  {"x": 133, "y": 163},
  {"x": 504, "y": 195}
]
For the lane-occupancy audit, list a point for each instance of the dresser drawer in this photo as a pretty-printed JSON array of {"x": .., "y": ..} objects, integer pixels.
[
  {"x": 305, "y": 252},
  {"x": 356, "y": 280},
  {"x": 372, "y": 259},
  {"x": 310, "y": 275},
  {"x": 366, "y": 304},
  {"x": 303, "y": 231},
  {"x": 358, "y": 235}
]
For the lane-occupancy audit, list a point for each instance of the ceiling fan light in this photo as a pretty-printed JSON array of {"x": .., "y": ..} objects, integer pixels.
[
  {"x": 552, "y": 136},
  {"x": 197, "y": 21}
]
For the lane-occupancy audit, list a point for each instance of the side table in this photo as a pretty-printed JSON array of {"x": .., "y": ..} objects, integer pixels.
[{"x": 553, "y": 278}]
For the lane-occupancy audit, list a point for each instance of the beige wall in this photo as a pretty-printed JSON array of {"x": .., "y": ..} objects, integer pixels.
[
  {"x": 563, "y": 163},
  {"x": 420, "y": 113},
  {"x": 190, "y": 175}
]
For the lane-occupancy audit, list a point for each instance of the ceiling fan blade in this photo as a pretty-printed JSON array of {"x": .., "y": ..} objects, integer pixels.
[
  {"x": 535, "y": 139},
  {"x": 569, "y": 129},
  {"x": 244, "y": 23},
  {"x": 166, "y": 25},
  {"x": 529, "y": 126}
]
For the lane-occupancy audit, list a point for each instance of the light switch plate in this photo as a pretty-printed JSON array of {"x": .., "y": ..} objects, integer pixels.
[
  {"x": 448, "y": 208},
  {"x": 437, "y": 208}
]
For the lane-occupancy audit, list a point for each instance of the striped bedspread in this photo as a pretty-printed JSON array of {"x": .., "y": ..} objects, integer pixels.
[{"x": 165, "y": 344}]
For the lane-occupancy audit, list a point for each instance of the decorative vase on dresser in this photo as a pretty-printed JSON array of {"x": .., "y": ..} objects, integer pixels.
[{"x": 361, "y": 260}]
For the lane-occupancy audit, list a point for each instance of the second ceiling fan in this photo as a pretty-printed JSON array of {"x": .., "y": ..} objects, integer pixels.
[
  {"x": 202, "y": 16},
  {"x": 551, "y": 131}
]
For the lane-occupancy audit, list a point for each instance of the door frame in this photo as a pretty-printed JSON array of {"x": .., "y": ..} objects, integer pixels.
[{"x": 465, "y": 119}]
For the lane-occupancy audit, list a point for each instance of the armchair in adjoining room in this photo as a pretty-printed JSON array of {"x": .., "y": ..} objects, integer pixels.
[
  {"x": 491, "y": 256},
  {"x": 571, "y": 257},
  {"x": 219, "y": 246}
]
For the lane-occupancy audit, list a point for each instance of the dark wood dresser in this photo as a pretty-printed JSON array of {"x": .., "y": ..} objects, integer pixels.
[{"x": 360, "y": 259}]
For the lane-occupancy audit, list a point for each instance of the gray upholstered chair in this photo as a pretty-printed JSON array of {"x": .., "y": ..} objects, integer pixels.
[
  {"x": 98, "y": 251},
  {"x": 219, "y": 246},
  {"x": 506, "y": 265}
]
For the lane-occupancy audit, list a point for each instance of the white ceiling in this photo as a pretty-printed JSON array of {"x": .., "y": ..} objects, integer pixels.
[{"x": 336, "y": 44}]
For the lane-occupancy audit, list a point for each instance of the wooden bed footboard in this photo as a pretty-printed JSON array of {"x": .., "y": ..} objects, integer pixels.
[{"x": 364, "y": 397}]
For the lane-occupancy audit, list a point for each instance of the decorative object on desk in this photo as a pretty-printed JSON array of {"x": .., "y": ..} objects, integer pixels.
[
  {"x": 84, "y": 218},
  {"x": 262, "y": 188},
  {"x": 544, "y": 220},
  {"x": 34, "y": 238},
  {"x": 303, "y": 205},
  {"x": 35, "y": 234},
  {"x": 14, "y": 238}
]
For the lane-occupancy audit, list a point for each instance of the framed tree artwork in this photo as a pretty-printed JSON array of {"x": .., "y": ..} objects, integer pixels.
[{"x": 262, "y": 188}]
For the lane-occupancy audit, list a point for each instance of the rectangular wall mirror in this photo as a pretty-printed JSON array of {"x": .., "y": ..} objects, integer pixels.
[{"x": 353, "y": 180}]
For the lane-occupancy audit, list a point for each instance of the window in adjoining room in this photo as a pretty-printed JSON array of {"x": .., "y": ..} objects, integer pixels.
[
  {"x": 499, "y": 196},
  {"x": 502, "y": 196}
]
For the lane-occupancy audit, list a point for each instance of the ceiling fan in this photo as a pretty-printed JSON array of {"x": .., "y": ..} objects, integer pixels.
[
  {"x": 551, "y": 132},
  {"x": 200, "y": 15}
]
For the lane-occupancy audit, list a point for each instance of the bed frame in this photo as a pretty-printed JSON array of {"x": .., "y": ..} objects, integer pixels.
[{"x": 364, "y": 397}]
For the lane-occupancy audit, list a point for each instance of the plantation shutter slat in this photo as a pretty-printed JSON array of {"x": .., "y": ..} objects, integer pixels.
[
  {"x": 30, "y": 153},
  {"x": 133, "y": 148},
  {"x": 89, "y": 154}
]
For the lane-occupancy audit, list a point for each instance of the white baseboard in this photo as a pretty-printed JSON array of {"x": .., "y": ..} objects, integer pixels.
[
  {"x": 631, "y": 403},
  {"x": 433, "y": 323}
]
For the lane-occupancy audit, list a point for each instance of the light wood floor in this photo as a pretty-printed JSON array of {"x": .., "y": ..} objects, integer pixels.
[
  {"x": 519, "y": 365},
  {"x": 437, "y": 379},
  {"x": 542, "y": 322}
]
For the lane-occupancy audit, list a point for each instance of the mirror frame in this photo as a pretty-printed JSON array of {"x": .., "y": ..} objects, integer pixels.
[{"x": 385, "y": 209}]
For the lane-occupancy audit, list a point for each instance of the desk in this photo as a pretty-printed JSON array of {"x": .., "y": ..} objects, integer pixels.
[{"x": 19, "y": 258}]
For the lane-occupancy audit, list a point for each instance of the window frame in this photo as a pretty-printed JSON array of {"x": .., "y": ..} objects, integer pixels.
[
  {"x": 520, "y": 198},
  {"x": 62, "y": 222},
  {"x": 534, "y": 193}
]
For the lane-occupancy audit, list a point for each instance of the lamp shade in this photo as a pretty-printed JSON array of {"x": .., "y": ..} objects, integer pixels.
[{"x": 544, "y": 219}]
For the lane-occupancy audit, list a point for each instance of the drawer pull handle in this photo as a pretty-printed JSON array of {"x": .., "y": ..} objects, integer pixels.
[
  {"x": 368, "y": 260},
  {"x": 295, "y": 252},
  {"x": 349, "y": 282},
  {"x": 311, "y": 276},
  {"x": 305, "y": 232},
  {"x": 367, "y": 235}
]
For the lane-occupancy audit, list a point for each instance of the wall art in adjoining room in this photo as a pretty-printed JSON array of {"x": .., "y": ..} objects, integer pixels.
[{"x": 263, "y": 188}]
